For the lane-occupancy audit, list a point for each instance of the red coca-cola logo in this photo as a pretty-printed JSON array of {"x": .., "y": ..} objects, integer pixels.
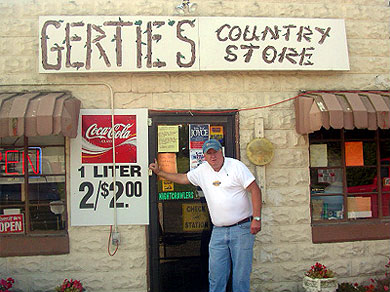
[{"x": 98, "y": 135}]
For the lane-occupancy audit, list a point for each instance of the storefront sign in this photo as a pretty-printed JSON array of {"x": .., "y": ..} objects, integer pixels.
[
  {"x": 92, "y": 168},
  {"x": 11, "y": 224},
  {"x": 164, "y": 43}
]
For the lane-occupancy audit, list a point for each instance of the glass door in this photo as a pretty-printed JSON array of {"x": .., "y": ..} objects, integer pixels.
[{"x": 180, "y": 226}]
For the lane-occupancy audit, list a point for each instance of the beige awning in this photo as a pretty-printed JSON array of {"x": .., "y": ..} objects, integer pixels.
[
  {"x": 38, "y": 114},
  {"x": 363, "y": 110}
]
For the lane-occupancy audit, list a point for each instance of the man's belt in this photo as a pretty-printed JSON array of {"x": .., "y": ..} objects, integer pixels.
[{"x": 247, "y": 219}]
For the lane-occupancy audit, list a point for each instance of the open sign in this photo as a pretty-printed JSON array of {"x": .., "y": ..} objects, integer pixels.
[
  {"x": 11, "y": 224},
  {"x": 12, "y": 161}
]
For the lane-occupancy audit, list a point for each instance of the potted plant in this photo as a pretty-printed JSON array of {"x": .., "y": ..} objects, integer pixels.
[
  {"x": 70, "y": 286},
  {"x": 319, "y": 278}
]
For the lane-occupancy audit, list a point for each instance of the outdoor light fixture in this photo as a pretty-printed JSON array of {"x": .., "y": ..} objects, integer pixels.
[{"x": 186, "y": 7}]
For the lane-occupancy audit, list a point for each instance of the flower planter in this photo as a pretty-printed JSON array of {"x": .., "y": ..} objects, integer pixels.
[{"x": 315, "y": 285}]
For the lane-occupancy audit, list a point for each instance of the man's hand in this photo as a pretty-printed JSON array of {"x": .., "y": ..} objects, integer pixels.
[
  {"x": 154, "y": 167},
  {"x": 255, "y": 226}
]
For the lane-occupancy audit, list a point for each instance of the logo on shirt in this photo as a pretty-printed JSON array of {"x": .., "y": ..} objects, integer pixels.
[{"x": 216, "y": 183}]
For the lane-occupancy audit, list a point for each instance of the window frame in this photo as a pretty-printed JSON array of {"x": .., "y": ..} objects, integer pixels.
[
  {"x": 37, "y": 242},
  {"x": 348, "y": 229}
]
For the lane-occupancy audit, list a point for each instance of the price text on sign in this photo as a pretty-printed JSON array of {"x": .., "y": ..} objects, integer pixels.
[
  {"x": 105, "y": 191},
  {"x": 126, "y": 188}
]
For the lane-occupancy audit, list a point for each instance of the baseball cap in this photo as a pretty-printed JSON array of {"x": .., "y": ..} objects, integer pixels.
[{"x": 211, "y": 144}]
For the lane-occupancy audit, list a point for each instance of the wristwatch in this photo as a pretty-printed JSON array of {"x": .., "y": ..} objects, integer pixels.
[{"x": 257, "y": 218}]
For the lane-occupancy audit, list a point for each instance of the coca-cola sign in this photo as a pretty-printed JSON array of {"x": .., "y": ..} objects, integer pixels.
[
  {"x": 99, "y": 185},
  {"x": 97, "y": 139}
]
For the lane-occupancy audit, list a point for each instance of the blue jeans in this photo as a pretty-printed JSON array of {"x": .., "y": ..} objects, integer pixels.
[{"x": 230, "y": 244}]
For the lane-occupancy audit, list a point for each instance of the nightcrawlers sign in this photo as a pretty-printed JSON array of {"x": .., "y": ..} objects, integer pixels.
[{"x": 163, "y": 43}]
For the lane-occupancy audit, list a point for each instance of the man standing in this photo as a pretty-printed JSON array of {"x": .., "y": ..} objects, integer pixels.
[{"x": 225, "y": 182}]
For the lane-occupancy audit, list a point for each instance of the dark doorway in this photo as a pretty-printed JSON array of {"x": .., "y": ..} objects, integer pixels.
[{"x": 180, "y": 227}]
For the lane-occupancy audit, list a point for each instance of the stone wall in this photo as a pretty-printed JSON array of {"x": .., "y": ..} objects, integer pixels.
[{"x": 283, "y": 249}]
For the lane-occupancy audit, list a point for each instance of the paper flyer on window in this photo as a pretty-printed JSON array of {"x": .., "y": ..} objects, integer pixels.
[
  {"x": 198, "y": 135},
  {"x": 318, "y": 155},
  {"x": 168, "y": 138},
  {"x": 216, "y": 132},
  {"x": 196, "y": 158},
  {"x": 354, "y": 154}
]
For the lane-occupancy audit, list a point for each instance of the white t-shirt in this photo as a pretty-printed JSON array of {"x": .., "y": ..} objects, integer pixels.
[{"x": 225, "y": 190}]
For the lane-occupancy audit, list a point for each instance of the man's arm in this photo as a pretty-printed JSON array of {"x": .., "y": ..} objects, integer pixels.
[
  {"x": 180, "y": 178},
  {"x": 255, "y": 191}
]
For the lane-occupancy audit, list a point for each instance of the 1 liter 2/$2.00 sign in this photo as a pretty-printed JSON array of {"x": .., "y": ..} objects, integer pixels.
[{"x": 129, "y": 188}]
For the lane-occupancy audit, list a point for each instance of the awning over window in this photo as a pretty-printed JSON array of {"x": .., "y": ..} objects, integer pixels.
[
  {"x": 362, "y": 110},
  {"x": 39, "y": 114}
]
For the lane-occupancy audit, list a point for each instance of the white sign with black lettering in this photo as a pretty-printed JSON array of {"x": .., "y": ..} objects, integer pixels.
[
  {"x": 92, "y": 169},
  {"x": 164, "y": 43}
]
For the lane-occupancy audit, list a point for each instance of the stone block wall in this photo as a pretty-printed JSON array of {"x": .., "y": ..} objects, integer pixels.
[{"x": 283, "y": 249}]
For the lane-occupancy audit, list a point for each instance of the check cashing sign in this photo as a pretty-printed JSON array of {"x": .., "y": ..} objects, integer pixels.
[{"x": 92, "y": 168}]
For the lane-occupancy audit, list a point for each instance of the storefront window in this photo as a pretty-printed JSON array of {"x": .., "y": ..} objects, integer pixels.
[
  {"x": 349, "y": 176},
  {"x": 32, "y": 187}
]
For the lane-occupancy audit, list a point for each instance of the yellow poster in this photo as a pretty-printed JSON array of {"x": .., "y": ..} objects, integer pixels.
[
  {"x": 216, "y": 132},
  {"x": 168, "y": 138},
  {"x": 354, "y": 154},
  {"x": 195, "y": 217},
  {"x": 167, "y": 186}
]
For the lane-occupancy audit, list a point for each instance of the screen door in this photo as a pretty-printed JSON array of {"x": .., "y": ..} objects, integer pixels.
[{"x": 180, "y": 225}]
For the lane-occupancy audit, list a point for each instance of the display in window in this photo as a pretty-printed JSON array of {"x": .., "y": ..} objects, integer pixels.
[
  {"x": 196, "y": 158},
  {"x": 327, "y": 207},
  {"x": 318, "y": 155},
  {"x": 168, "y": 138},
  {"x": 167, "y": 186},
  {"x": 198, "y": 134},
  {"x": 327, "y": 180},
  {"x": 359, "y": 207},
  {"x": 354, "y": 154},
  {"x": 216, "y": 132},
  {"x": 326, "y": 176}
]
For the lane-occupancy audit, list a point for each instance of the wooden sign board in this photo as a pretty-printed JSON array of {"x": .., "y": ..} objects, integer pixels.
[{"x": 163, "y": 43}]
